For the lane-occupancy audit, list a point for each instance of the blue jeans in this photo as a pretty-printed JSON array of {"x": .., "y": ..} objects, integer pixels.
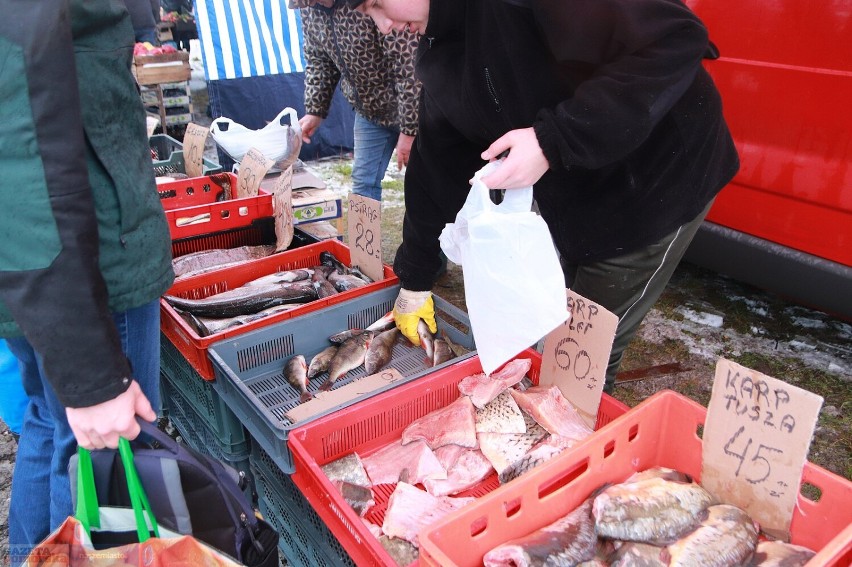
[
  {"x": 374, "y": 146},
  {"x": 41, "y": 490}
]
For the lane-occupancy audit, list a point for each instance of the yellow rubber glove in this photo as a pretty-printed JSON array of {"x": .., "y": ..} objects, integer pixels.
[{"x": 410, "y": 307}]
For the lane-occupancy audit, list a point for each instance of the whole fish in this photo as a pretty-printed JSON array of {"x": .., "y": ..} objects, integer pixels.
[
  {"x": 345, "y": 282},
  {"x": 216, "y": 258},
  {"x": 380, "y": 351},
  {"x": 296, "y": 373},
  {"x": 457, "y": 349},
  {"x": 567, "y": 541},
  {"x": 635, "y": 554},
  {"x": 343, "y": 336},
  {"x": 441, "y": 352},
  {"x": 349, "y": 356},
  {"x": 244, "y": 300},
  {"x": 330, "y": 260},
  {"x": 320, "y": 362},
  {"x": 356, "y": 271},
  {"x": 427, "y": 339},
  {"x": 383, "y": 323},
  {"x": 287, "y": 276},
  {"x": 780, "y": 554},
  {"x": 653, "y": 510},
  {"x": 726, "y": 537},
  {"x": 211, "y": 325},
  {"x": 322, "y": 285}
]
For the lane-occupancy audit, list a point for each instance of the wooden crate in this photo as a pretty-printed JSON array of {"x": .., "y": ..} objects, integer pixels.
[{"x": 164, "y": 68}]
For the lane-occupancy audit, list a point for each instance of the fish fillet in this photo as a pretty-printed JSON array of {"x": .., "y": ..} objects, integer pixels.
[
  {"x": 452, "y": 424},
  {"x": 467, "y": 471},
  {"x": 500, "y": 415},
  {"x": 543, "y": 451},
  {"x": 385, "y": 465},
  {"x": 567, "y": 541},
  {"x": 505, "y": 449},
  {"x": 780, "y": 554},
  {"x": 411, "y": 509},
  {"x": 551, "y": 410},
  {"x": 482, "y": 389}
]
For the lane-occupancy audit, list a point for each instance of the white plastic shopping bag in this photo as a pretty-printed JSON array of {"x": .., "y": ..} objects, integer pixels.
[
  {"x": 513, "y": 283},
  {"x": 278, "y": 141}
]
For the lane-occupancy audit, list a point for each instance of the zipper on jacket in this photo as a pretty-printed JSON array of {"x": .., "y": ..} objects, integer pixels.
[{"x": 492, "y": 91}]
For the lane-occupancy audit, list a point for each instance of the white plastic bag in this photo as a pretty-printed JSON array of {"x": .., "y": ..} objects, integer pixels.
[
  {"x": 513, "y": 283},
  {"x": 279, "y": 142}
]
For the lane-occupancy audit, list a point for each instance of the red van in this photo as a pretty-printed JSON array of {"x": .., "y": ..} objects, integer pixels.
[{"x": 785, "y": 221}]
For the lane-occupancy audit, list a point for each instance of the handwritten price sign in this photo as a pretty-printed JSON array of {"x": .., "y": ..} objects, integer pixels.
[
  {"x": 253, "y": 168},
  {"x": 756, "y": 440},
  {"x": 193, "y": 149},
  {"x": 365, "y": 235},
  {"x": 576, "y": 355}
]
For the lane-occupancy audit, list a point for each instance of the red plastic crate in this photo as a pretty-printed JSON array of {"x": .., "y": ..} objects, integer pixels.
[
  {"x": 661, "y": 431},
  {"x": 194, "y": 348},
  {"x": 186, "y": 198},
  {"x": 373, "y": 424}
]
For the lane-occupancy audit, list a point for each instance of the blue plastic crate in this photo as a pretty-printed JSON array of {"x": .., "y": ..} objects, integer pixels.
[
  {"x": 249, "y": 368},
  {"x": 203, "y": 398},
  {"x": 298, "y": 537}
]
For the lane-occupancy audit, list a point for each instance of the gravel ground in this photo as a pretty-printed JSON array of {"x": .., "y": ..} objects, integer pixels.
[{"x": 701, "y": 317}]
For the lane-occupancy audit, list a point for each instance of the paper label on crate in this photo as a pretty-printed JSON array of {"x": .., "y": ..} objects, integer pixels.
[
  {"x": 253, "y": 168},
  {"x": 282, "y": 199},
  {"x": 193, "y": 149},
  {"x": 365, "y": 235},
  {"x": 756, "y": 440},
  {"x": 324, "y": 401},
  {"x": 576, "y": 355}
]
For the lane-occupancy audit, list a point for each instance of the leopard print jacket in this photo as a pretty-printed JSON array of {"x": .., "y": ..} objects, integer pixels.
[{"x": 375, "y": 71}]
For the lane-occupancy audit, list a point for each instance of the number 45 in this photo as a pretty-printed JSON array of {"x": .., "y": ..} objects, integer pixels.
[{"x": 759, "y": 463}]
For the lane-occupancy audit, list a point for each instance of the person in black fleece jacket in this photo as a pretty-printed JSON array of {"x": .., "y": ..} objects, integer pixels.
[{"x": 605, "y": 109}]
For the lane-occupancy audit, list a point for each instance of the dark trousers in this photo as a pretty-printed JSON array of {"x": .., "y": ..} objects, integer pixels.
[{"x": 630, "y": 285}]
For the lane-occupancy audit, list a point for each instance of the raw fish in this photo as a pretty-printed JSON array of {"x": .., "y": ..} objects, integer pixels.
[
  {"x": 506, "y": 449},
  {"x": 482, "y": 389},
  {"x": 500, "y": 415},
  {"x": 455, "y": 423},
  {"x": 654, "y": 510},
  {"x": 411, "y": 509},
  {"x": 567, "y": 541},
  {"x": 551, "y": 410},
  {"x": 385, "y": 465},
  {"x": 468, "y": 469},
  {"x": 726, "y": 537}
]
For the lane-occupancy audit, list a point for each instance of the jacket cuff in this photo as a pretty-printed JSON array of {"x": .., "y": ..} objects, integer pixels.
[{"x": 548, "y": 141}]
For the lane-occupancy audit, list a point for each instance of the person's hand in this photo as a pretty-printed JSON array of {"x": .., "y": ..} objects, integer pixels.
[
  {"x": 524, "y": 165},
  {"x": 100, "y": 426},
  {"x": 410, "y": 307},
  {"x": 309, "y": 124},
  {"x": 403, "y": 150}
]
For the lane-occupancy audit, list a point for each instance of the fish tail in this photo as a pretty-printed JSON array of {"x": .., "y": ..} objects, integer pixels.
[
  {"x": 305, "y": 397},
  {"x": 327, "y": 385}
]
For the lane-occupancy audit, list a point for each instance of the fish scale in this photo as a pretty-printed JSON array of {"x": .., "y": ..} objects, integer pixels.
[{"x": 501, "y": 415}]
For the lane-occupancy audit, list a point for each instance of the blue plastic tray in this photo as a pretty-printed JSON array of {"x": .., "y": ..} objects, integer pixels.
[{"x": 249, "y": 368}]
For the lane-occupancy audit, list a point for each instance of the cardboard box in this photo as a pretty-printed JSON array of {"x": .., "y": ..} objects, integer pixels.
[
  {"x": 322, "y": 230},
  {"x": 164, "y": 68},
  {"x": 149, "y": 97}
]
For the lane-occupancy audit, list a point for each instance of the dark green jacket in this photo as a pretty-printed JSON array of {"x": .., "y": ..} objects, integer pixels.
[{"x": 82, "y": 232}]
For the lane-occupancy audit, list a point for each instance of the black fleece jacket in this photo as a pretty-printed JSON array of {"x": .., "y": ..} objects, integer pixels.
[{"x": 623, "y": 110}]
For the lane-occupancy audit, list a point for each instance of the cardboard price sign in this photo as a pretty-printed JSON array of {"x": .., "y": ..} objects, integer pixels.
[
  {"x": 193, "y": 149},
  {"x": 334, "y": 398},
  {"x": 756, "y": 439},
  {"x": 576, "y": 355},
  {"x": 365, "y": 235},
  {"x": 282, "y": 199},
  {"x": 253, "y": 168}
]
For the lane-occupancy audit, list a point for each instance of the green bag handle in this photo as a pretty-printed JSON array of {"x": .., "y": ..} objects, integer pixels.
[{"x": 88, "y": 510}]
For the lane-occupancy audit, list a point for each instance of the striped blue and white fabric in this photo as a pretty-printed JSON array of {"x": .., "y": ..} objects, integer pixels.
[{"x": 249, "y": 38}]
